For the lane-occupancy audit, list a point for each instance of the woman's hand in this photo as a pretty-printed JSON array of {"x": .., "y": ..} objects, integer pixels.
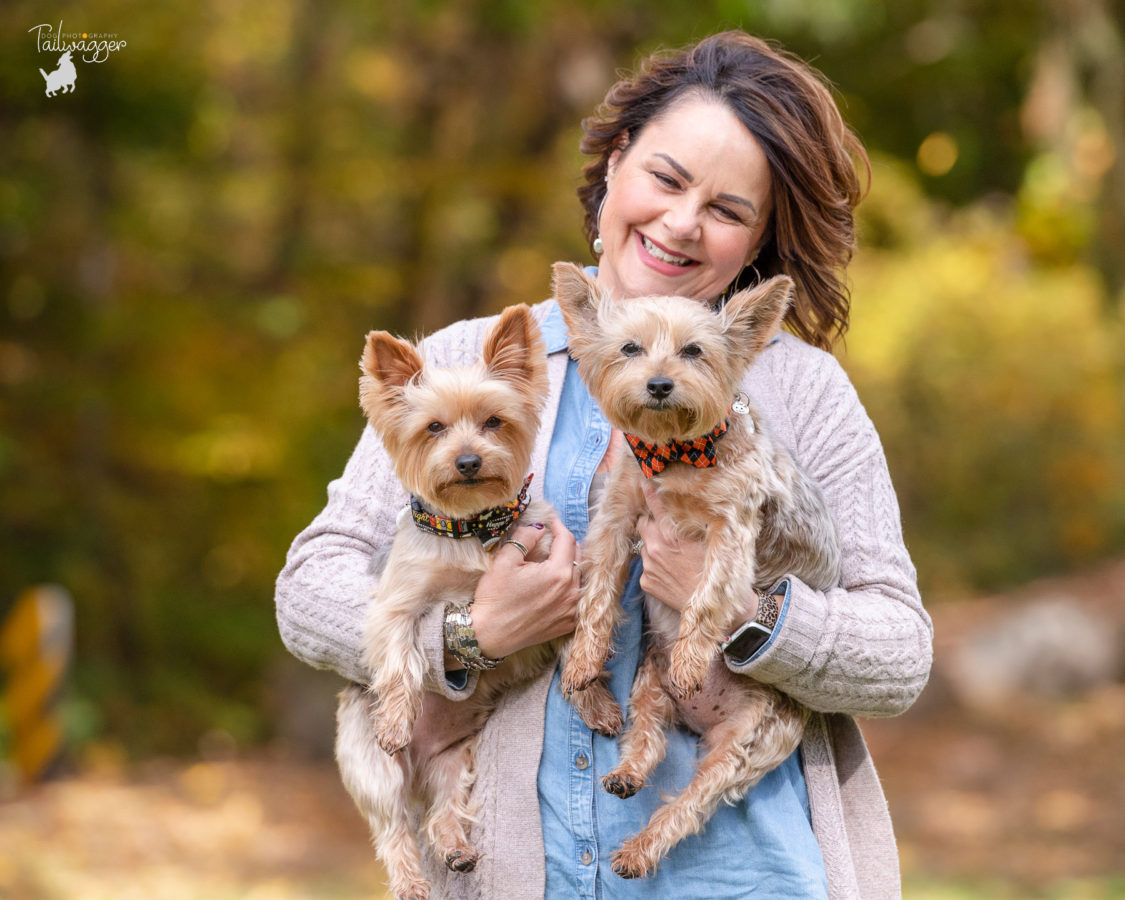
[
  {"x": 520, "y": 603},
  {"x": 673, "y": 567}
]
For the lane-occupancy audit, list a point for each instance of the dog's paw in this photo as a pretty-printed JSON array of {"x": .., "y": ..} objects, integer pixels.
[
  {"x": 621, "y": 785},
  {"x": 684, "y": 686},
  {"x": 392, "y": 737},
  {"x": 462, "y": 860},
  {"x": 630, "y": 861},
  {"x": 599, "y": 710},
  {"x": 571, "y": 684},
  {"x": 608, "y": 723},
  {"x": 578, "y": 675},
  {"x": 686, "y": 671}
]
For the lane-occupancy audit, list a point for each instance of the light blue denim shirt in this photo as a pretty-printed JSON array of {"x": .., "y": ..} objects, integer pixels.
[{"x": 761, "y": 847}]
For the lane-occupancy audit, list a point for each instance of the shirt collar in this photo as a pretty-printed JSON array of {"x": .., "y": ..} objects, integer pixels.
[{"x": 553, "y": 329}]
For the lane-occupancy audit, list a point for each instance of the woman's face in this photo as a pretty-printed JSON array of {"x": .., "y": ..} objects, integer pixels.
[{"x": 687, "y": 205}]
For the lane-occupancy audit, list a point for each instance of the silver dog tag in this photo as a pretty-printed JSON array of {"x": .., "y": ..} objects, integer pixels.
[{"x": 741, "y": 404}]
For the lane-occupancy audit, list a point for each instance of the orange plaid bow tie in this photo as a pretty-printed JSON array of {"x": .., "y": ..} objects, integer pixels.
[{"x": 699, "y": 452}]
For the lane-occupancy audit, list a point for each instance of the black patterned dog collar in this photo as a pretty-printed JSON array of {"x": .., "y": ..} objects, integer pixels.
[{"x": 489, "y": 526}]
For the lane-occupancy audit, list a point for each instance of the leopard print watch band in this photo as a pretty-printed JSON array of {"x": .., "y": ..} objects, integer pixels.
[{"x": 768, "y": 610}]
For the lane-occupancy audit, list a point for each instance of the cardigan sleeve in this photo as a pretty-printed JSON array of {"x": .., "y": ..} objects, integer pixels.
[
  {"x": 865, "y": 647},
  {"x": 322, "y": 593}
]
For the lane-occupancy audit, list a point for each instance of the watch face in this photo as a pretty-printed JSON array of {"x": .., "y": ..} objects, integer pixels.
[{"x": 747, "y": 641}]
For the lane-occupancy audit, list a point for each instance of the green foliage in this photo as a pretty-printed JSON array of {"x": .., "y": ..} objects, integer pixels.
[{"x": 193, "y": 243}]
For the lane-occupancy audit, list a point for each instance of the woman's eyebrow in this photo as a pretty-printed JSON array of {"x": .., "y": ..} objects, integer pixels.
[
  {"x": 731, "y": 198},
  {"x": 687, "y": 176},
  {"x": 680, "y": 170}
]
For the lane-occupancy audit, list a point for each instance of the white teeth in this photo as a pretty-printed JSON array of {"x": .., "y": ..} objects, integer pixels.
[{"x": 661, "y": 255}]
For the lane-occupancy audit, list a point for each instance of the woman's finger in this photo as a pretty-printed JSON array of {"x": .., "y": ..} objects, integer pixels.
[
  {"x": 520, "y": 543},
  {"x": 564, "y": 545}
]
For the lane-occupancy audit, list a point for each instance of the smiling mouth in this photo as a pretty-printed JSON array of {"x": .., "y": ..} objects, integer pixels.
[{"x": 663, "y": 255}]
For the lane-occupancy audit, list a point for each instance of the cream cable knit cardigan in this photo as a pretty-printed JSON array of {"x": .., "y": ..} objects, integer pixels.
[{"x": 863, "y": 649}]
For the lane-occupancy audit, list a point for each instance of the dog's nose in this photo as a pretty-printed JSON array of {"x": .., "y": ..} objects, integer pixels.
[
  {"x": 660, "y": 387},
  {"x": 468, "y": 464}
]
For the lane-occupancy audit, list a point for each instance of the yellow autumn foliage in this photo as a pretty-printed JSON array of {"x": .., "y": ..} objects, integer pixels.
[{"x": 998, "y": 386}]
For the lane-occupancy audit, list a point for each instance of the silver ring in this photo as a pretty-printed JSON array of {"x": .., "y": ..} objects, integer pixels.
[
  {"x": 638, "y": 546},
  {"x": 522, "y": 549}
]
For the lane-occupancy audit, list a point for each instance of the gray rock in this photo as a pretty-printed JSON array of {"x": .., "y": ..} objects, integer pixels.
[{"x": 1046, "y": 649}]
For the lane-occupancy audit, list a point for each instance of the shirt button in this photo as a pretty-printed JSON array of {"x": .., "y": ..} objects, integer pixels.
[
  {"x": 587, "y": 857},
  {"x": 582, "y": 762}
]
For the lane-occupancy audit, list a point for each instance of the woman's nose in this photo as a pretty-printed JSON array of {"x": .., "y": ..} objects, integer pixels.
[{"x": 682, "y": 220}]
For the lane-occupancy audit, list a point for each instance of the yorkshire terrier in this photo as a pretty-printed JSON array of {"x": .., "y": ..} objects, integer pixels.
[
  {"x": 666, "y": 371},
  {"x": 460, "y": 439}
]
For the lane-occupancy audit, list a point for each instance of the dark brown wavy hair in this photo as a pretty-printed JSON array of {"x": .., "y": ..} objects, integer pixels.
[{"x": 813, "y": 157}]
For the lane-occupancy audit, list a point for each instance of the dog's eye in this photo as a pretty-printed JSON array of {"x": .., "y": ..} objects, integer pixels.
[
  {"x": 492, "y": 423},
  {"x": 631, "y": 349},
  {"x": 435, "y": 428},
  {"x": 691, "y": 351}
]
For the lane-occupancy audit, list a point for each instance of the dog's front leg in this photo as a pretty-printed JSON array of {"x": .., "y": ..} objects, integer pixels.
[
  {"x": 604, "y": 568},
  {"x": 398, "y": 664},
  {"x": 728, "y": 578},
  {"x": 398, "y": 701}
]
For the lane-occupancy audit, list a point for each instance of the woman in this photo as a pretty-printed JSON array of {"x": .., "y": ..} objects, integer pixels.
[{"x": 711, "y": 168}]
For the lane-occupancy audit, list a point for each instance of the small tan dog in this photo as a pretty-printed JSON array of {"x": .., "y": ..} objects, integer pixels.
[
  {"x": 667, "y": 370},
  {"x": 460, "y": 439}
]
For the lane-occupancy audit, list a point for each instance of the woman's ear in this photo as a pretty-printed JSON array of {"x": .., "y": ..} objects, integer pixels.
[
  {"x": 763, "y": 241},
  {"x": 620, "y": 144}
]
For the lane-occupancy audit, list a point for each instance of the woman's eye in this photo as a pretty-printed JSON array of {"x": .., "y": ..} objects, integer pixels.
[
  {"x": 691, "y": 351},
  {"x": 729, "y": 214},
  {"x": 435, "y": 428},
  {"x": 666, "y": 180},
  {"x": 492, "y": 423},
  {"x": 631, "y": 349}
]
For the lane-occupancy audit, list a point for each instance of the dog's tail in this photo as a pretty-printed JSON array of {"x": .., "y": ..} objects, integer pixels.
[{"x": 44, "y": 74}]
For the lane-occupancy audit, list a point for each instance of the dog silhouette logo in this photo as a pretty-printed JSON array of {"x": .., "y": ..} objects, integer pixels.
[{"x": 63, "y": 78}]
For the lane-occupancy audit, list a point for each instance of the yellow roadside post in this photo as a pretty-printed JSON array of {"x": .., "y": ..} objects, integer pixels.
[{"x": 35, "y": 646}]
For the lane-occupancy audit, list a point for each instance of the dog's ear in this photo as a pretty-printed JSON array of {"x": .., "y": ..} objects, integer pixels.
[
  {"x": 388, "y": 364},
  {"x": 751, "y": 316},
  {"x": 514, "y": 349},
  {"x": 578, "y": 296}
]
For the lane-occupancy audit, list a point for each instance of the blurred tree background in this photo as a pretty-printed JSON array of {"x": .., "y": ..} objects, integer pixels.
[{"x": 194, "y": 241}]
